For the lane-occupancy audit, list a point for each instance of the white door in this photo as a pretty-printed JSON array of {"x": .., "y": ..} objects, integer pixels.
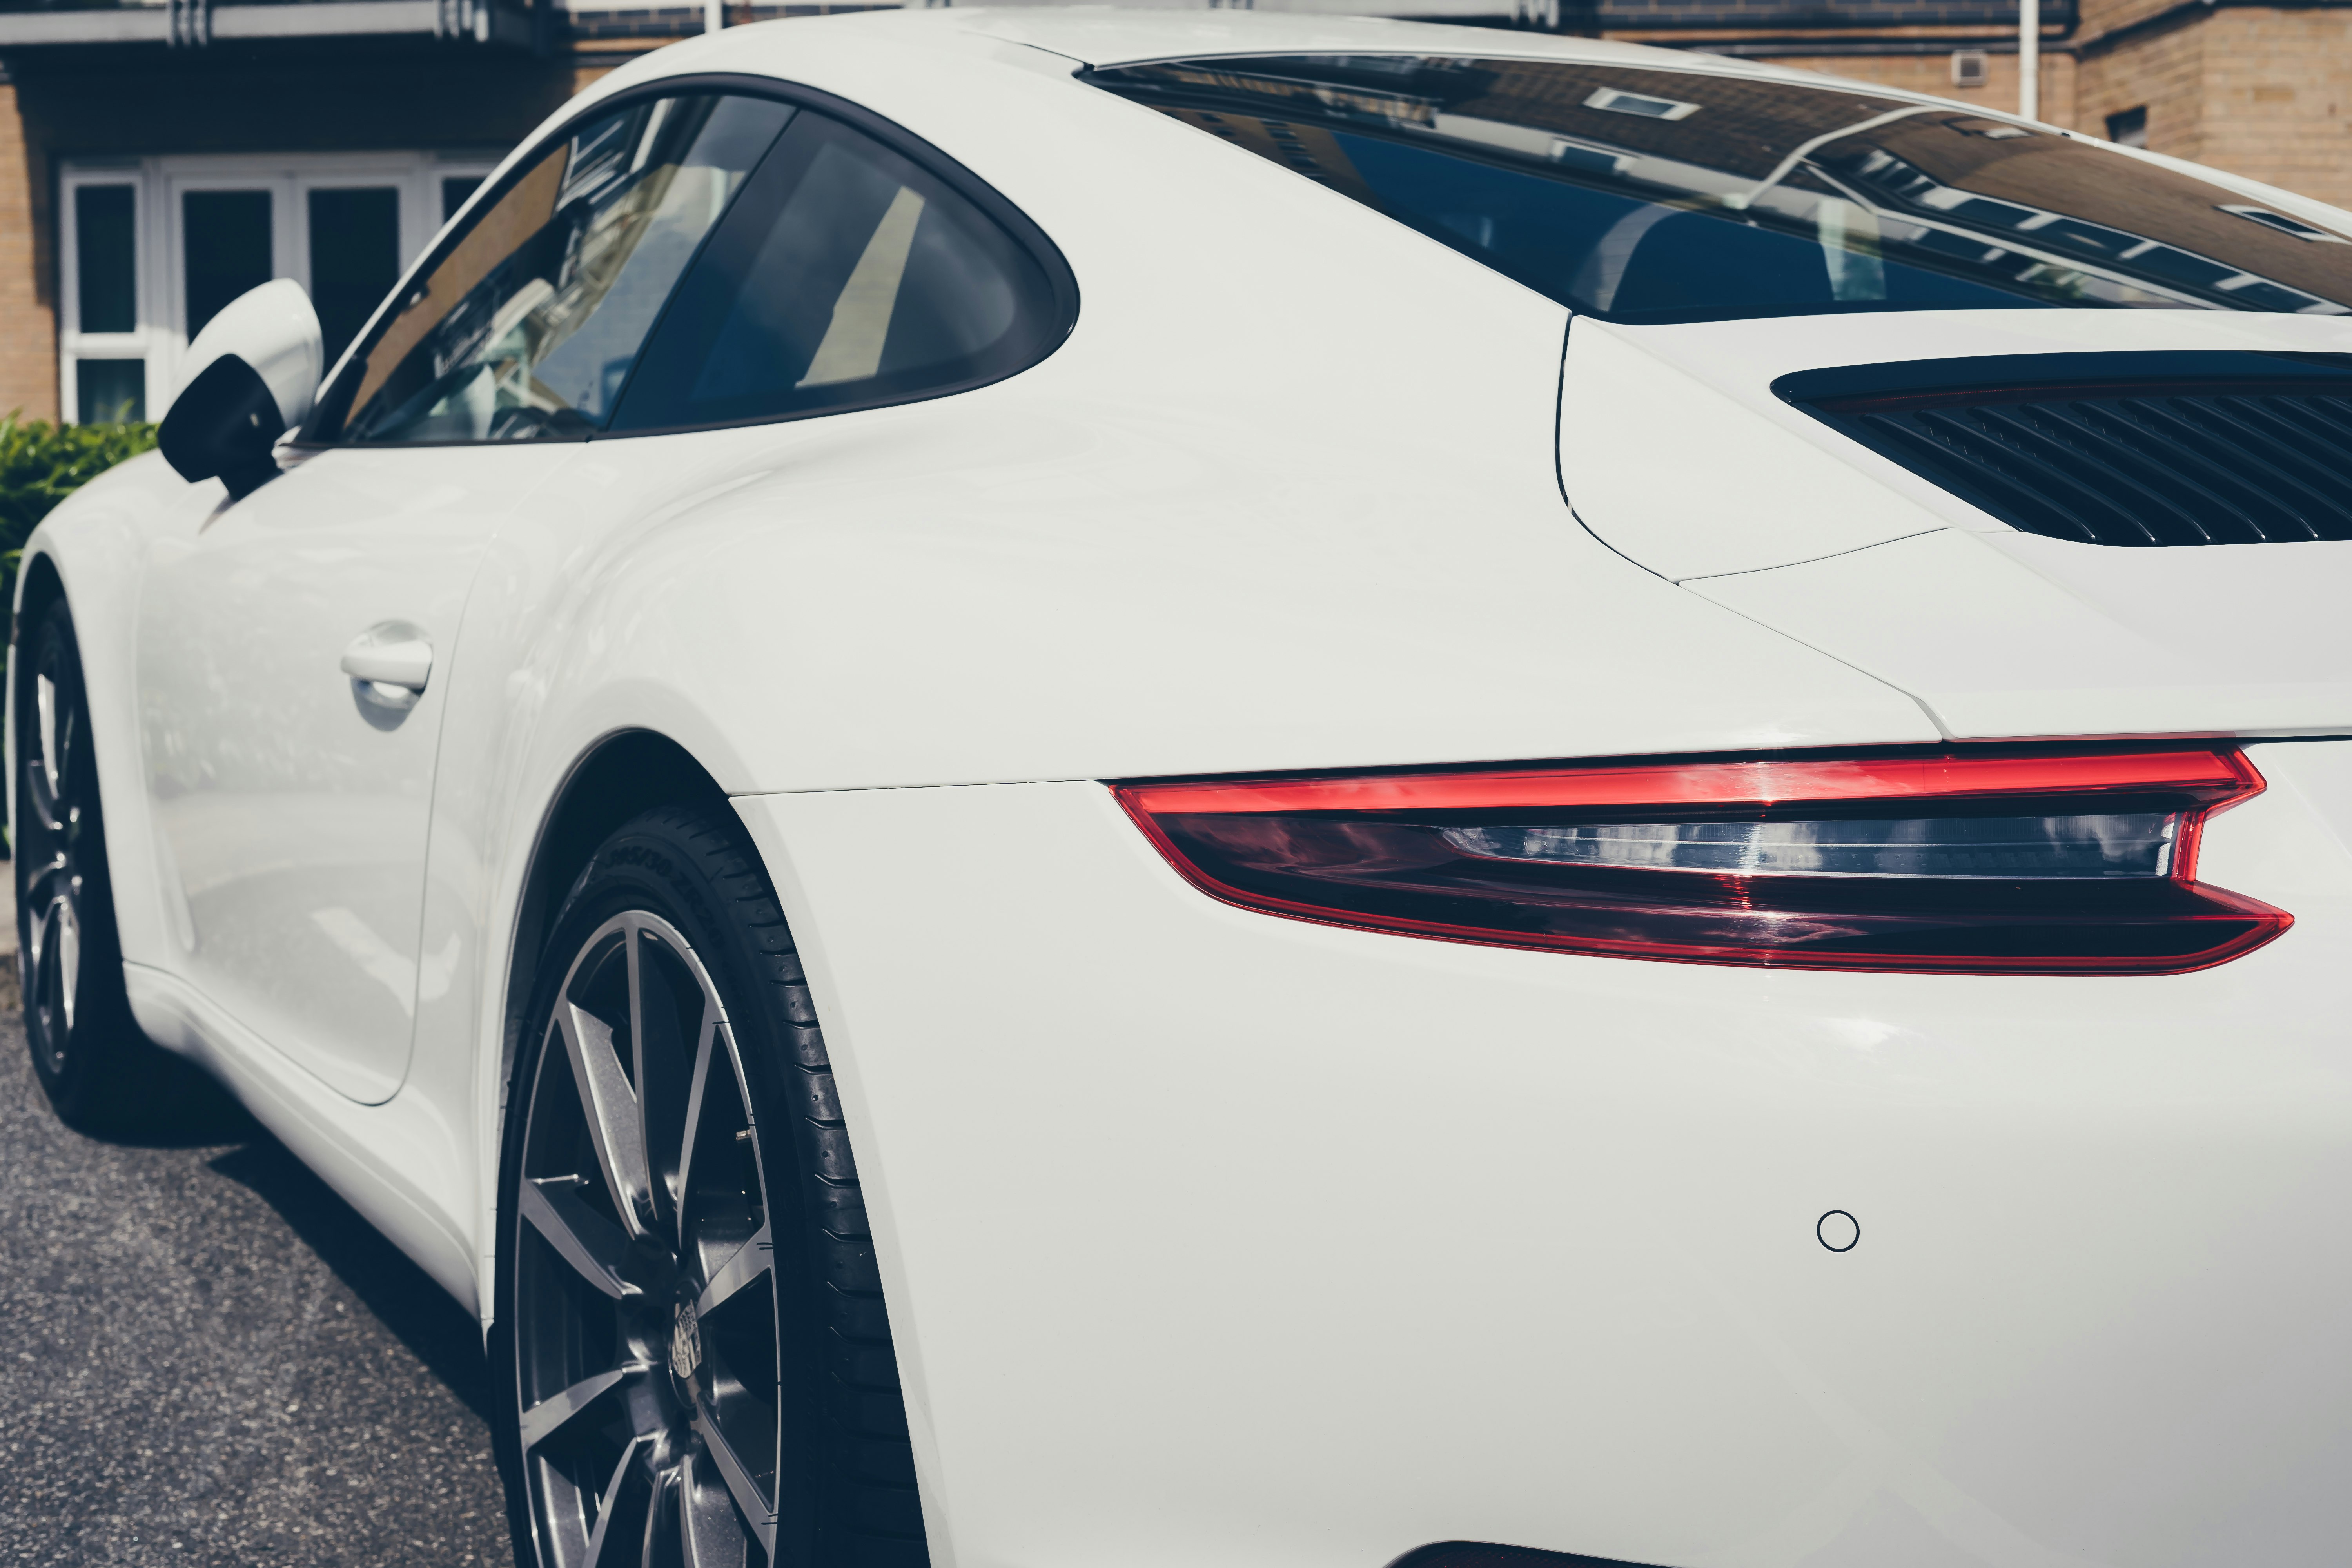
[{"x": 292, "y": 801}]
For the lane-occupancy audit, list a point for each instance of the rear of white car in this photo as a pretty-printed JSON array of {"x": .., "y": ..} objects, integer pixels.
[
  {"x": 1229, "y": 1238},
  {"x": 1873, "y": 1155}
]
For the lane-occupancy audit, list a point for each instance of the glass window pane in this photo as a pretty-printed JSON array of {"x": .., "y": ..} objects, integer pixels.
[
  {"x": 109, "y": 391},
  {"x": 1642, "y": 194},
  {"x": 355, "y": 259},
  {"x": 107, "y": 258},
  {"x": 847, "y": 275},
  {"x": 225, "y": 238},
  {"x": 454, "y": 189},
  {"x": 528, "y": 327}
]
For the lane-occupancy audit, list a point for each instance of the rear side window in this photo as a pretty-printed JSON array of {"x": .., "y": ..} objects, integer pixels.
[
  {"x": 705, "y": 260},
  {"x": 846, "y": 276},
  {"x": 529, "y": 326},
  {"x": 1640, "y": 195}
]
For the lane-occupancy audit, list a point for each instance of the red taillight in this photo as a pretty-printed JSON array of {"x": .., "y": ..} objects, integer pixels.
[{"x": 2009, "y": 862}]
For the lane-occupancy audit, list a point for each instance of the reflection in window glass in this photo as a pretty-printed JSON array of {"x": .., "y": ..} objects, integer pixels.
[
  {"x": 109, "y": 391},
  {"x": 105, "y": 259},
  {"x": 528, "y": 326},
  {"x": 846, "y": 276},
  {"x": 225, "y": 235},
  {"x": 1641, "y": 194}
]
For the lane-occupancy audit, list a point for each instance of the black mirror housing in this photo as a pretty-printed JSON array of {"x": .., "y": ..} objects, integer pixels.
[
  {"x": 256, "y": 366},
  {"x": 224, "y": 424}
]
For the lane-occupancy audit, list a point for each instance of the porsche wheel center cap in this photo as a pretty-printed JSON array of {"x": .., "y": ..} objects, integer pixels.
[{"x": 685, "y": 1343}]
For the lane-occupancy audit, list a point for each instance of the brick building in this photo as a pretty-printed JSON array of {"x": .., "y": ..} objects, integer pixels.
[{"x": 156, "y": 159}]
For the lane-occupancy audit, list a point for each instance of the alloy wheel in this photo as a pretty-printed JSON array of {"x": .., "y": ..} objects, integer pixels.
[
  {"x": 645, "y": 1292},
  {"x": 54, "y": 846}
]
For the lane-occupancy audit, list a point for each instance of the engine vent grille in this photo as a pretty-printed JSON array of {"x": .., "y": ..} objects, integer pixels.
[{"x": 2121, "y": 448}]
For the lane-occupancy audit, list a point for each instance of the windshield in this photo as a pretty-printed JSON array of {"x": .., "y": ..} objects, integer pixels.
[{"x": 1662, "y": 196}]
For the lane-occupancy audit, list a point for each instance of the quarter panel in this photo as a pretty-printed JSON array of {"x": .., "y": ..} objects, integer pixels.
[{"x": 1213, "y": 1236}]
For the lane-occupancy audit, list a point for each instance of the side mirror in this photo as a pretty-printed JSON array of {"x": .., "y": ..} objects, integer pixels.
[{"x": 254, "y": 374}]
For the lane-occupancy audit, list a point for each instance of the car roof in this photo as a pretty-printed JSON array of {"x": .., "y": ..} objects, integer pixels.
[
  {"x": 1120, "y": 35},
  {"x": 1116, "y": 34}
]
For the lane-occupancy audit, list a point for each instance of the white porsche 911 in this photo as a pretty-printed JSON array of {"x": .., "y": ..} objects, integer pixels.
[{"x": 1541, "y": 799}]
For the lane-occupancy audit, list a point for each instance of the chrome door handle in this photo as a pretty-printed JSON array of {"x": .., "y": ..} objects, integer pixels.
[{"x": 390, "y": 664}]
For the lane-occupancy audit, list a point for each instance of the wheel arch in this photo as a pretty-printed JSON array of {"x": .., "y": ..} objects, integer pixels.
[
  {"x": 38, "y": 583},
  {"x": 84, "y": 555},
  {"x": 618, "y": 776}
]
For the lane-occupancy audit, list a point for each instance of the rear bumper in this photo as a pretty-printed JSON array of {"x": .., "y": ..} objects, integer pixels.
[{"x": 1218, "y": 1237}]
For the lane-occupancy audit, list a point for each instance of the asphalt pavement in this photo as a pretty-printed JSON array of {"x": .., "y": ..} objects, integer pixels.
[{"x": 207, "y": 1358}]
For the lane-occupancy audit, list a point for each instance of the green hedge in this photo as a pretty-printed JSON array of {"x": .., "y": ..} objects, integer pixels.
[{"x": 40, "y": 465}]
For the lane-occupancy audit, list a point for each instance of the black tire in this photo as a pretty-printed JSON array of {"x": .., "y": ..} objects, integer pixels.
[
  {"x": 98, "y": 1070},
  {"x": 630, "y": 1336}
]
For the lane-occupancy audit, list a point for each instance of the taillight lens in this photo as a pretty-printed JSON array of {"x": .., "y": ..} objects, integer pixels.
[{"x": 2078, "y": 863}]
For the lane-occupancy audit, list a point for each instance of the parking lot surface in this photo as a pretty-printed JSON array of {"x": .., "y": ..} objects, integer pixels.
[{"x": 207, "y": 1358}]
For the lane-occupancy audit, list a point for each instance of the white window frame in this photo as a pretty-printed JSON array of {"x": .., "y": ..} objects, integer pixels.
[
  {"x": 161, "y": 336},
  {"x": 74, "y": 344}
]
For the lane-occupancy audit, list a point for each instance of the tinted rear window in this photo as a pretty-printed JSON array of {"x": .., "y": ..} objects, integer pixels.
[{"x": 1657, "y": 195}]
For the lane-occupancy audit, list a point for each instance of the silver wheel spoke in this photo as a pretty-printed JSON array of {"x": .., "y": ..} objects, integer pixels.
[
  {"x": 708, "y": 1533},
  {"x": 705, "y": 1049},
  {"x": 604, "y": 1551},
  {"x": 45, "y": 709},
  {"x": 739, "y": 1483},
  {"x": 580, "y": 1237},
  {"x": 542, "y": 1421},
  {"x": 753, "y": 1258},
  {"x": 615, "y": 1125},
  {"x": 658, "y": 1549},
  {"x": 632, "y": 959}
]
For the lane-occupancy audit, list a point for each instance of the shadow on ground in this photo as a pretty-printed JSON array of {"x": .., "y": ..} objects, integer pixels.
[
  {"x": 443, "y": 1335},
  {"x": 208, "y": 1358}
]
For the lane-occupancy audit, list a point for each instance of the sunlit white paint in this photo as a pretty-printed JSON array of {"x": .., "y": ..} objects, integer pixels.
[{"x": 1314, "y": 1246}]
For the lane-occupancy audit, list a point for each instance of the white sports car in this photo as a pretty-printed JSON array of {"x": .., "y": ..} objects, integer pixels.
[{"x": 1542, "y": 799}]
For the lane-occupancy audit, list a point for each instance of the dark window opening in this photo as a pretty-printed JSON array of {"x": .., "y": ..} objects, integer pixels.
[
  {"x": 226, "y": 238},
  {"x": 454, "y": 189},
  {"x": 109, "y": 391},
  {"x": 106, "y": 253},
  {"x": 355, "y": 259},
  {"x": 2129, "y": 128}
]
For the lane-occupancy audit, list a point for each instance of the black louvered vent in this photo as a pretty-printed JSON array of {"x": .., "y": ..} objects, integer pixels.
[{"x": 2119, "y": 448}]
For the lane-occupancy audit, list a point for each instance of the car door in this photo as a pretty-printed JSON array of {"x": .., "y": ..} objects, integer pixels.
[{"x": 294, "y": 644}]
